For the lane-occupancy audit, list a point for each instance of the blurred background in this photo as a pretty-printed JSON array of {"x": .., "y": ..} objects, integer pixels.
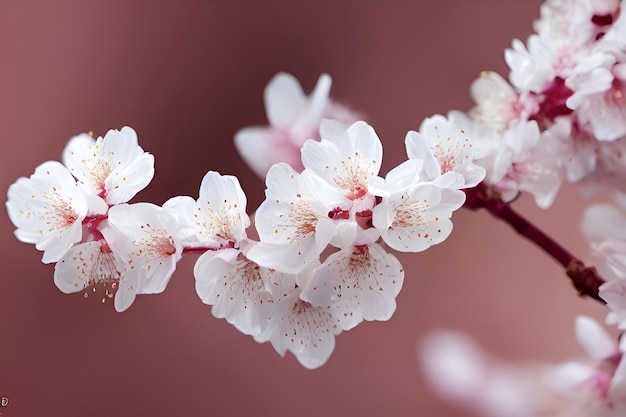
[{"x": 186, "y": 75}]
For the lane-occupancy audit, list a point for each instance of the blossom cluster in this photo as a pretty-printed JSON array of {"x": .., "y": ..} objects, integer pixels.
[
  {"x": 560, "y": 115},
  {"x": 320, "y": 266},
  {"x": 579, "y": 57},
  {"x": 323, "y": 260}
]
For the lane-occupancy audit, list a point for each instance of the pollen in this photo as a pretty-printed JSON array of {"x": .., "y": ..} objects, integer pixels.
[{"x": 156, "y": 246}]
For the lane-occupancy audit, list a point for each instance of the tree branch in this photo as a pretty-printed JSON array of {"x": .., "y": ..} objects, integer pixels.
[{"x": 584, "y": 278}]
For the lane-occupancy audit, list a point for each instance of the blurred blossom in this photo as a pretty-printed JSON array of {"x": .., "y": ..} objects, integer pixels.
[
  {"x": 293, "y": 119},
  {"x": 462, "y": 372}
]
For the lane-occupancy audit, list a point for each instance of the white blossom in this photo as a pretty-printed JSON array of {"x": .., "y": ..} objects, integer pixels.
[
  {"x": 293, "y": 222},
  {"x": 87, "y": 264},
  {"x": 236, "y": 288},
  {"x": 143, "y": 236},
  {"x": 445, "y": 147},
  {"x": 414, "y": 219},
  {"x": 295, "y": 325},
  {"x": 48, "y": 209},
  {"x": 114, "y": 167},
  {"x": 216, "y": 219},
  {"x": 459, "y": 370},
  {"x": 293, "y": 117},
  {"x": 357, "y": 283}
]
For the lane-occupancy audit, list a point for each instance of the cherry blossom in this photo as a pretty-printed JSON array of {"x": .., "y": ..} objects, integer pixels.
[
  {"x": 497, "y": 104},
  {"x": 459, "y": 369},
  {"x": 296, "y": 325},
  {"x": 515, "y": 162},
  {"x": 216, "y": 219},
  {"x": 48, "y": 209},
  {"x": 328, "y": 203},
  {"x": 604, "y": 226},
  {"x": 357, "y": 283},
  {"x": 568, "y": 78},
  {"x": 414, "y": 219},
  {"x": 346, "y": 171},
  {"x": 114, "y": 167},
  {"x": 235, "y": 287},
  {"x": 88, "y": 264},
  {"x": 143, "y": 236},
  {"x": 445, "y": 147},
  {"x": 293, "y": 117},
  {"x": 292, "y": 222},
  {"x": 577, "y": 21},
  {"x": 322, "y": 265}
]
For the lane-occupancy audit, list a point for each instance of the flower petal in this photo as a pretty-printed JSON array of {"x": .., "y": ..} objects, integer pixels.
[
  {"x": 358, "y": 283},
  {"x": 236, "y": 288},
  {"x": 87, "y": 264},
  {"x": 413, "y": 221},
  {"x": 47, "y": 210},
  {"x": 284, "y": 100},
  {"x": 305, "y": 330}
]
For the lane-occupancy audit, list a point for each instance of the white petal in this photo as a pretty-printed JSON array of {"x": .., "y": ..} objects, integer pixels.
[
  {"x": 143, "y": 235},
  {"x": 305, "y": 330},
  {"x": 185, "y": 210},
  {"x": 47, "y": 210},
  {"x": 77, "y": 152},
  {"x": 603, "y": 221},
  {"x": 132, "y": 168},
  {"x": 421, "y": 217},
  {"x": 349, "y": 165},
  {"x": 284, "y": 100},
  {"x": 223, "y": 207},
  {"x": 454, "y": 365},
  {"x": 614, "y": 293},
  {"x": 417, "y": 148},
  {"x": 288, "y": 223},
  {"x": 87, "y": 264},
  {"x": 127, "y": 290},
  {"x": 594, "y": 339},
  {"x": 262, "y": 147},
  {"x": 617, "y": 388},
  {"x": 332, "y": 130},
  {"x": 96, "y": 206},
  {"x": 401, "y": 177},
  {"x": 282, "y": 257},
  {"x": 358, "y": 283},
  {"x": 317, "y": 104},
  {"x": 127, "y": 180},
  {"x": 114, "y": 165},
  {"x": 236, "y": 288}
]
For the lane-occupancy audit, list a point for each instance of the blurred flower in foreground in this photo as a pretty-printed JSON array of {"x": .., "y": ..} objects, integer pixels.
[
  {"x": 462, "y": 372},
  {"x": 294, "y": 118}
]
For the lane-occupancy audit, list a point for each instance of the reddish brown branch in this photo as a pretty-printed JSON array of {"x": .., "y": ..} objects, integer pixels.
[{"x": 584, "y": 278}]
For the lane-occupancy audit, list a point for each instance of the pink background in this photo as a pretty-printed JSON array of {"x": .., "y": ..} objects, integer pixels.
[{"x": 186, "y": 75}]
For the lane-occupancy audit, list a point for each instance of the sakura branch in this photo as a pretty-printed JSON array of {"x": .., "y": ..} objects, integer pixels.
[
  {"x": 321, "y": 265},
  {"x": 584, "y": 278},
  {"x": 327, "y": 228}
]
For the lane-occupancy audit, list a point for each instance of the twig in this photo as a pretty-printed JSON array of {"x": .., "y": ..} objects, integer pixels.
[{"x": 584, "y": 278}]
